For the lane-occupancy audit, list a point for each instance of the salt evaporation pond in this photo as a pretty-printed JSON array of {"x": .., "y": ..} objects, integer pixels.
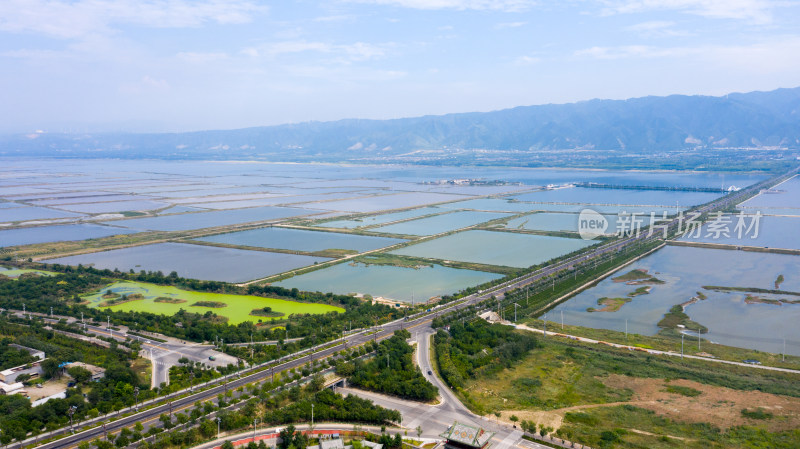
[
  {"x": 495, "y": 248},
  {"x": 397, "y": 283},
  {"x": 47, "y": 234},
  {"x": 194, "y": 261},
  {"x": 439, "y": 223},
  {"x": 301, "y": 240}
]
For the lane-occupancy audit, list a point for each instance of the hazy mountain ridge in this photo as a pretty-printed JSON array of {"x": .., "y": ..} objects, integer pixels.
[{"x": 640, "y": 125}]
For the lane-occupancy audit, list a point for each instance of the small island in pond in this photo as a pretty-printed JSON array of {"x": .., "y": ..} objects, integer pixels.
[
  {"x": 266, "y": 312},
  {"x": 114, "y": 299},
  {"x": 609, "y": 304},
  {"x": 166, "y": 300},
  {"x": 213, "y": 304},
  {"x": 638, "y": 277}
]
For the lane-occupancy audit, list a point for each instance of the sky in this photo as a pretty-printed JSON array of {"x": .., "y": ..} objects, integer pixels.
[{"x": 182, "y": 65}]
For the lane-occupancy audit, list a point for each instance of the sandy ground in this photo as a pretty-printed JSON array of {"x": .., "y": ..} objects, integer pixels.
[
  {"x": 716, "y": 405},
  {"x": 49, "y": 388}
]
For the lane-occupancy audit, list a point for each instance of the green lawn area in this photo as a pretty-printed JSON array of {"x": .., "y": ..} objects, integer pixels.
[{"x": 237, "y": 309}]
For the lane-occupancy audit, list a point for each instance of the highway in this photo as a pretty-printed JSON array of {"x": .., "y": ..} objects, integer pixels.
[{"x": 417, "y": 324}]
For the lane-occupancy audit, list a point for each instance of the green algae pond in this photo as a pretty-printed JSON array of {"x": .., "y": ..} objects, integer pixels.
[
  {"x": 14, "y": 273},
  {"x": 169, "y": 300}
]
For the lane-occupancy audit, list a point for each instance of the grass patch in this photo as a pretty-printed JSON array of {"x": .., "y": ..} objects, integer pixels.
[
  {"x": 757, "y": 413},
  {"x": 683, "y": 391},
  {"x": 393, "y": 260}
]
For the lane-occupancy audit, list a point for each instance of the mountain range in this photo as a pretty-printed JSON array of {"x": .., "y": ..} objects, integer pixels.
[{"x": 641, "y": 126}]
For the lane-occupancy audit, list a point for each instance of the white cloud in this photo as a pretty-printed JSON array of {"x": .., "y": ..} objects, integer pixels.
[
  {"x": 76, "y": 19},
  {"x": 503, "y": 25},
  {"x": 765, "y": 57},
  {"x": 657, "y": 28},
  {"x": 497, "y": 5},
  {"x": 757, "y": 11},
  {"x": 358, "y": 51},
  {"x": 149, "y": 81},
  {"x": 527, "y": 60}
]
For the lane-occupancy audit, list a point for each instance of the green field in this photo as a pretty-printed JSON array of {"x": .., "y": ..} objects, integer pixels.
[
  {"x": 14, "y": 273},
  {"x": 237, "y": 310}
]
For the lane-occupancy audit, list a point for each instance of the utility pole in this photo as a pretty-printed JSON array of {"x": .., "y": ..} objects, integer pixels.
[
  {"x": 682, "y": 335},
  {"x": 515, "y": 312},
  {"x": 527, "y": 292},
  {"x": 698, "y": 337},
  {"x": 51, "y": 312},
  {"x": 544, "y": 321},
  {"x": 136, "y": 397},
  {"x": 312, "y": 416},
  {"x": 218, "y": 421}
]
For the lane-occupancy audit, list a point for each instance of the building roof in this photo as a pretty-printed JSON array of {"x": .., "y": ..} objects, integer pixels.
[
  {"x": 95, "y": 370},
  {"x": 467, "y": 435},
  {"x": 331, "y": 444},
  {"x": 372, "y": 445},
  {"x": 11, "y": 388}
]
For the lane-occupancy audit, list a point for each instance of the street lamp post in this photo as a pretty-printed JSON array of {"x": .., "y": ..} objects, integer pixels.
[
  {"x": 70, "y": 412},
  {"x": 136, "y": 398},
  {"x": 218, "y": 421}
]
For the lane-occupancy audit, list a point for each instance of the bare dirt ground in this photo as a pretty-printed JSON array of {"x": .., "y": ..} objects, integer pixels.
[
  {"x": 716, "y": 405},
  {"x": 49, "y": 388}
]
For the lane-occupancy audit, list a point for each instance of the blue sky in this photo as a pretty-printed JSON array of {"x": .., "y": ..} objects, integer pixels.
[{"x": 178, "y": 65}]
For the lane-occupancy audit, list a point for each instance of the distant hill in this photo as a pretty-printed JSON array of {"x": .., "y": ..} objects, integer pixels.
[{"x": 637, "y": 126}]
